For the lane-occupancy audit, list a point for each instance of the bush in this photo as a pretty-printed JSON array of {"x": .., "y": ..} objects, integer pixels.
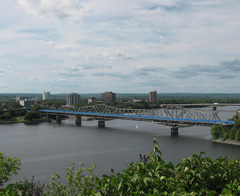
[
  {"x": 153, "y": 176},
  {"x": 24, "y": 188},
  {"x": 8, "y": 167}
]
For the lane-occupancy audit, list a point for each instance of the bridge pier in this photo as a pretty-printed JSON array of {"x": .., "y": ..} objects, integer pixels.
[
  {"x": 78, "y": 121},
  {"x": 174, "y": 130},
  {"x": 101, "y": 123},
  {"x": 59, "y": 119}
]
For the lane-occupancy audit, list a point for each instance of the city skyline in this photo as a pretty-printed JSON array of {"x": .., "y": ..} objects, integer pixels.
[{"x": 173, "y": 46}]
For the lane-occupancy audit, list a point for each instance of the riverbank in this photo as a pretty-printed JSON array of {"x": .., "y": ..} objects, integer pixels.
[
  {"x": 21, "y": 121},
  {"x": 228, "y": 141}
]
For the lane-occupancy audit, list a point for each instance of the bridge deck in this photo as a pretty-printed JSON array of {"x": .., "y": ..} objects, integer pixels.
[{"x": 198, "y": 122}]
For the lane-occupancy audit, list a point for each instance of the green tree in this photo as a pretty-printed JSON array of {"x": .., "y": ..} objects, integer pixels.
[
  {"x": 31, "y": 115},
  {"x": 8, "y": 167},
  {"x": 226, "y": 135},
  {"x": 217, "y": 131},
  {"x": 6, "y": 116},
  {"x": 232, "y": 133},
  {"x": 237, "y": 135}
]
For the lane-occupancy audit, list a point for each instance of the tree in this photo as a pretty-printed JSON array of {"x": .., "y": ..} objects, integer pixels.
[
  {"x": 32, "y": 115},
  {"x": 237, "y": 135},
  {"x": 8, "y": 167},
  {"x": 232, "y": 133},
  {"x": 217, "y": 131},
  {"x": 226, "y": 135},
  {"x": 6, "y": 116}
]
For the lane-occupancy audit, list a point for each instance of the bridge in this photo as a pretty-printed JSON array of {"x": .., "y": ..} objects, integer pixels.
[{"x": 173, "y": 117}]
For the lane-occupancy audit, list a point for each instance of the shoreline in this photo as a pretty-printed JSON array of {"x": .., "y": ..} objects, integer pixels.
[
  {"x": 25, "y": 121},
  {"x": 228, "y": 141}
]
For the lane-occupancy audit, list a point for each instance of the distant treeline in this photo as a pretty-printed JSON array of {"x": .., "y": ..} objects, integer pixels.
[{"x": 4, "y": 96}]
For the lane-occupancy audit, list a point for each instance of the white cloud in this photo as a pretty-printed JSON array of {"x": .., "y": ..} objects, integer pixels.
[
  {"x": 174, "y": 45},
  {"x": 61, "y": 9},
  {"x": 117, "y": 56}
]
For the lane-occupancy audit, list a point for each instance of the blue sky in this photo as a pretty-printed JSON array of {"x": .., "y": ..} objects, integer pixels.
[{"x": 92, "y": 46}]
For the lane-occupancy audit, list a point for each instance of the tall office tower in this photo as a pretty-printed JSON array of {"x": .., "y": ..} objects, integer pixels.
[
  {"x": 46, "y": 95},
  {"x": 109, "y": 97},
  {"x": 153, "y": 97},
  {"x": 73, "y": 99}
]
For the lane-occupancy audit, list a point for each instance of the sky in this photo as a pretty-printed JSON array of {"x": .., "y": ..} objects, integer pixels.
[{"x": 93, "y": 46}]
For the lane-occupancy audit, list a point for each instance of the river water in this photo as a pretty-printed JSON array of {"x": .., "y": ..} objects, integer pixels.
[{"x": 49, "y": 147}]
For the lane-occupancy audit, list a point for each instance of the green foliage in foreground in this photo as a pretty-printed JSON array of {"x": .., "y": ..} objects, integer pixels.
[
  {"x": 8, "y": 167},
  {"x": 151, "y": 175}
]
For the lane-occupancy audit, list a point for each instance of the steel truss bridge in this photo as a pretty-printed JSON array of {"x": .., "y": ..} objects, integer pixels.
[{"x": 174, "y": 117}]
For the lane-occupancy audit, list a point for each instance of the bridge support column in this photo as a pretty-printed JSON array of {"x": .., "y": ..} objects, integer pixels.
[
  {"x": 59, "y": 119},
  {"x": 101, "y": 123},
  {"x": 78, "y": 121},
  {"x": 174, "y": 130}
]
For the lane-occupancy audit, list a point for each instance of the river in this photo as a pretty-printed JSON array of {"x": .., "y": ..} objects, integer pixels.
[{"x": 49, "y": 147}]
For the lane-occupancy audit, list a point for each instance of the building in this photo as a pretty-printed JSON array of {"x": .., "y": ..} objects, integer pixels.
[
  {"x": 109, "y": 97},
  {"x": 135, "y": 100},
  {"x": 18, "y": 99},
  {"x": 26, "y": 103},
  {"x": 91, "y": 100},
  {"x": 46, "y": 95},
  {"x": 73, "y": 99},
  {"x": 153, "y": 97}
]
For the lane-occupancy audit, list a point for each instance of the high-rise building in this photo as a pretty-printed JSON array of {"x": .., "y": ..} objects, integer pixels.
[
  {"x": 26, "y": 103},
  {"x": 73, "y": 99},
  {"x": 109, "y": 97},
  {"x": 91, "y": 100},
  {"x": 46, "y": 95},
  {"x": 153, "y": 97}
]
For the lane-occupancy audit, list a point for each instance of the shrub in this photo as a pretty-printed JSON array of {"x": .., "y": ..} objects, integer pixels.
[
  {"x": 151, "y": 175},
  {"x": 8, "y": 167}
]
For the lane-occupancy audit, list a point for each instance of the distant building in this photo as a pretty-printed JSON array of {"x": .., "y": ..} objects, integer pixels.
[
  {"x": 26, "y": 103},
  {"x": 18, "y": 99},
  {"x": 91, "y": 100},
  {"x": 153, "y": 97},
  {"x": 135, "y": 100},
  {"x": 109, "y": 97},
  {"x": 46, "y": 95},
  {"x": 238, "y": 113},
  {"x": 73, "y": 99}
]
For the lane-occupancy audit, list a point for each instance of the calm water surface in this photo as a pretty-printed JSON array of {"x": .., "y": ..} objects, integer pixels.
[{"x": 49, "y": 147}]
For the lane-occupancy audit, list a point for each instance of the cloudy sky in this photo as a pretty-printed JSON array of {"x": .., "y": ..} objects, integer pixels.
[{"x": 92, "y": 46}]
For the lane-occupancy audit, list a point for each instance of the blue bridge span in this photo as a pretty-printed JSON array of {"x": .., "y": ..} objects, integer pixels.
[{"x": 174, "y": 117}]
